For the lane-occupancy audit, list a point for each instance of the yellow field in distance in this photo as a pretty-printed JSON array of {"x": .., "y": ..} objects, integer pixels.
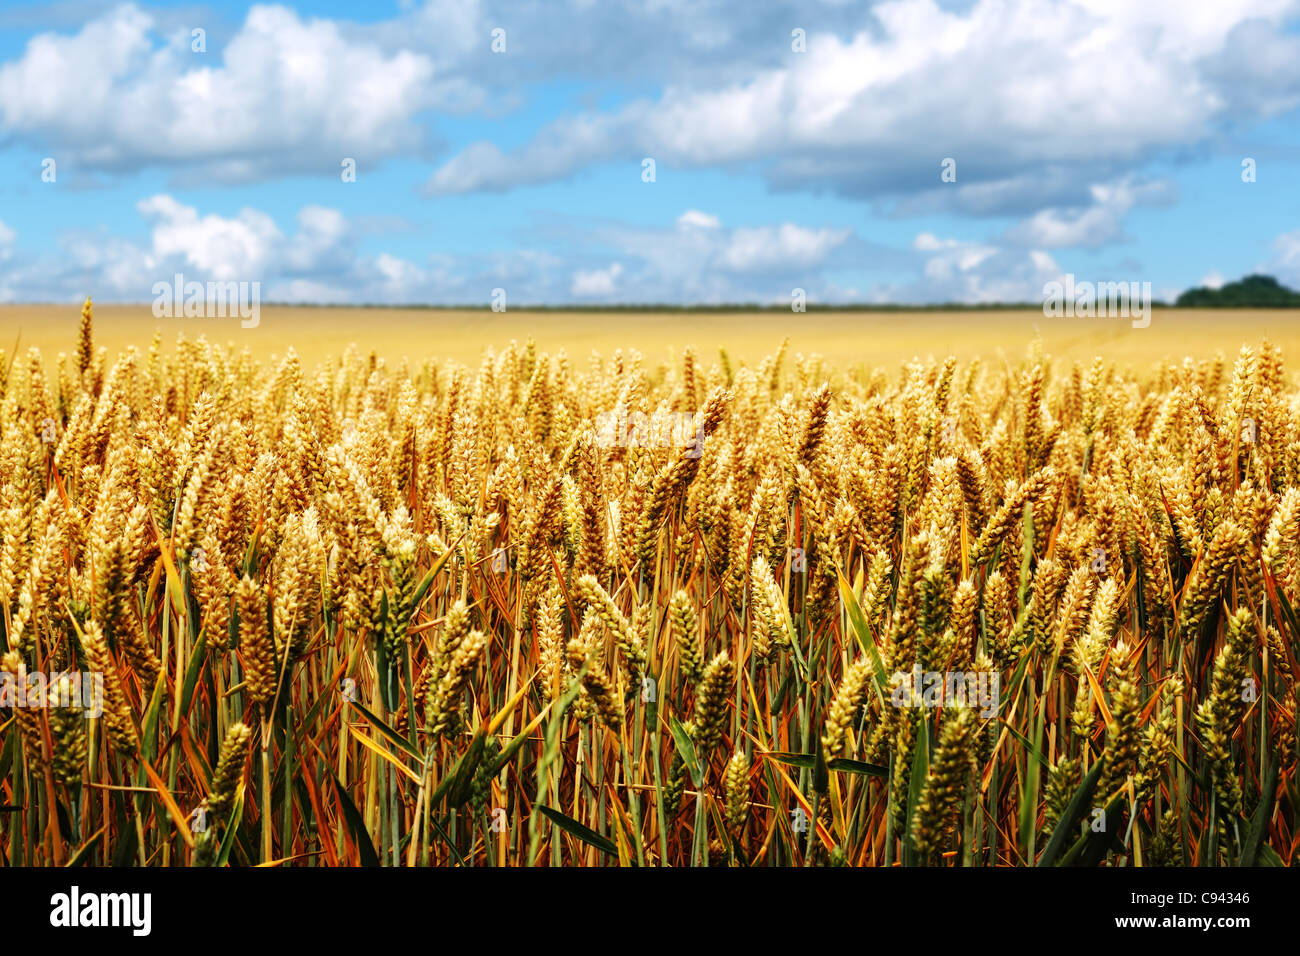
[{"x": 879, "y": 339}]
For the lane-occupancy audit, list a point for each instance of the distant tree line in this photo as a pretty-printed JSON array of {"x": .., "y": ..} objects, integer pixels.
[{"x": 1252, "y": 292}]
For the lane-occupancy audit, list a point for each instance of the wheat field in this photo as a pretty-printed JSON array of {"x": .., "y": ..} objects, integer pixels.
[
  {"x": 851, "y": 340},
  {"x": 534, "y": 606}
]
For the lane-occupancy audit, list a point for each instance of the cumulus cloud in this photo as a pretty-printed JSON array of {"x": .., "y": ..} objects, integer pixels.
[
  {"x": 285, "y": 95},
  {"x": 324, "y": 239},
  {"x": 218, "y": 247},
  {"x": 960, "y": 270},
  {"x": 1094, "y": 225},
  {"x": 1049, "y": 137},
  {"x": 596, "y": 282},
  {"x": 248, "y": 246},
  {"x": 288, "y": 94},
  {"x": 765, "y": 247},
  {"x": 948, "y": 256},
  {"x": 700, "y": 259},
  {"x": 873, "y": 113},
  {"x": 696, "y": 258}
]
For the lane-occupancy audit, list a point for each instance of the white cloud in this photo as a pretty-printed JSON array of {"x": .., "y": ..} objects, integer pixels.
[
  {"x": 316, "y": 262},
  {"x": 857, "y": 113},
  {"x": 952, "y": 258},
  {"x": 1047, "y": 133},
  {"x": 1091, "y": 226},
  {"x": 398, "y": 274},
  {"x": 929, "y": 242},
  {"x": 1043, "y": 262},
  {"x": 1212, "y": 279},
  {"x": 951, "y": 255},
  {"x": 596, "y": 282},
  {"x": 220, "y": 248},
  {"x": 693, "y": 259},
  {"x": 323, "y": 235},
  {"x": 284, "y": 96},
  {"x": 702, "y": 220},
  {"x": 960, "y": 270},
  {"x": 787, "y": 245}
]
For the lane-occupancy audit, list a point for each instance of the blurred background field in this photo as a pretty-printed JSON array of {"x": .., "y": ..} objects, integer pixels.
[{"x": 883, "y": 338}]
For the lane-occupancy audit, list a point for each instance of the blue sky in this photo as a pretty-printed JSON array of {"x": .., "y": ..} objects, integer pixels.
[{"x": 1099, "y": 137}]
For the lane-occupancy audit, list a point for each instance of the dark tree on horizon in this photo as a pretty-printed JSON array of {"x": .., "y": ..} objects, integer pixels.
[{"x": 1252, "y": 292}]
